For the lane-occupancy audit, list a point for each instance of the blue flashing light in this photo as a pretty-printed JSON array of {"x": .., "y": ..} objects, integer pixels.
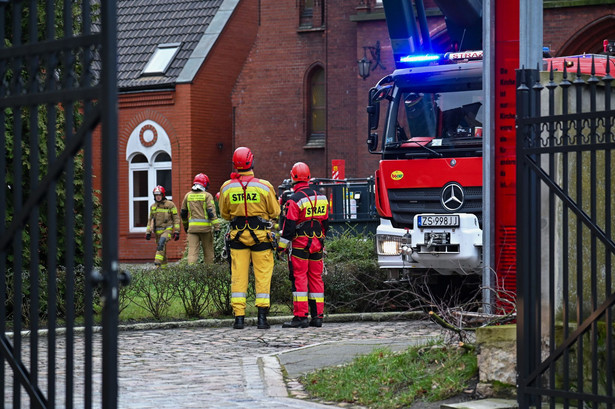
[{"x": 419, "y": 58}]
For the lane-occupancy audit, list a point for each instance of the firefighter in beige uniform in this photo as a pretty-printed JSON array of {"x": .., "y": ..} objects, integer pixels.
[
  {"x": 198, "y": 214},
  {"x": 164, "y": 222},
  {"x": 252, "y": 206}
]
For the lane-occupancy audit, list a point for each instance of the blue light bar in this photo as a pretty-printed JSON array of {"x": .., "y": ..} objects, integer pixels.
[{"x": 420, "y": 58}]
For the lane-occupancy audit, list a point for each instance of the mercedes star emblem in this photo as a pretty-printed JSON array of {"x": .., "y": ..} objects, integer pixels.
[{"x": 452, "y": 196}]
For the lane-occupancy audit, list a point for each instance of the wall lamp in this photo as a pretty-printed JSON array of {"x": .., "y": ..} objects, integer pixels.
[{"x": 365, "y": 65}]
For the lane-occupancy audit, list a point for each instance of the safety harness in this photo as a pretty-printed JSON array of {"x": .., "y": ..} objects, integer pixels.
[
  {"x": 250, "y": 223},
  {"x": 311, "y": 231}
]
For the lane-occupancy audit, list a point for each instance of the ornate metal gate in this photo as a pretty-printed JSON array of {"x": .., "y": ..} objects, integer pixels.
[
  {"x": 566, "y": 241},
  {"x": 57, "y": 89}
]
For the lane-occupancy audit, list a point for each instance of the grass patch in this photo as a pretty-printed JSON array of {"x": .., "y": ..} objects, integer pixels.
[{"x": 385, "y": 379}]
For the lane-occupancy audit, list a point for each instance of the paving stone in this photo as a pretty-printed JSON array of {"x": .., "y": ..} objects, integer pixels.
[{"x": 215, "y": 367}]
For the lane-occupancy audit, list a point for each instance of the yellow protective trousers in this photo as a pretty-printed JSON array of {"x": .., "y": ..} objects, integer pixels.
[
  {"x": 262, "y": 263},
  {"x": 161, "y": 247},
  {"x": 204, "y": 241}
]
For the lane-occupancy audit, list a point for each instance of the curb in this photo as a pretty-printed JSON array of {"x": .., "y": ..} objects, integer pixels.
[
  {"x": 228, "y": 322},
  {"x": 274, "y": 320}
]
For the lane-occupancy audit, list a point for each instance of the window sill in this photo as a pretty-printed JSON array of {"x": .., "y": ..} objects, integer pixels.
[
  {"x": 309, "y": 29},
  {"x": 314, "y": 145}
]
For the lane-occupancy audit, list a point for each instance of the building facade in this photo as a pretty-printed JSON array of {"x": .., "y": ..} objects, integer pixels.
[{"x": 280, "y": 77}]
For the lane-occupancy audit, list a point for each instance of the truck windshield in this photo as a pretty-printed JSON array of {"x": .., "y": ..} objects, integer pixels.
[{"x": 439, "y": 116}]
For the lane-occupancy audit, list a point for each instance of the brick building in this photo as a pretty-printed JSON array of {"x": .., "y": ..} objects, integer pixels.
[
  {"x": 178, "y": 61},
  {"x": 298, "y": 41},
  {"x": 280, "y": 77}
]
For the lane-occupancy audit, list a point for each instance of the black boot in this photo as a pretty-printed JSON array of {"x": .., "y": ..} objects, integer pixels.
[
  {"x": 262, "y": 318},
  {"x": 316, "y": 320},
  {"x": 297, "y": 322},
  {"x": 238, "y": 322}
]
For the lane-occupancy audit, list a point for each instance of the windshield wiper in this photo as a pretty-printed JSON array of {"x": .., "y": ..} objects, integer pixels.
[{"x": 438, "y": 154}]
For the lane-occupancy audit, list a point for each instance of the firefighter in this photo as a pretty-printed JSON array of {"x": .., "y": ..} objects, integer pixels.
[
  {"x": 164, "y": 222},
  {"x": 198, "y": 214},
  {"x": 251, "y": 206},
  {"x": 303, "y": 238}
]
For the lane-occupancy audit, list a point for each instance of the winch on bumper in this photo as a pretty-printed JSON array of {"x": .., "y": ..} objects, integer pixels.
[{"x": 455, "y": 248}]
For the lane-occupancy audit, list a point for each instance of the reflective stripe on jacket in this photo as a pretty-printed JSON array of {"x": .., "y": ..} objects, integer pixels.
[
  {"x": 163, "y": 217},
  {"x": 199, "y": 206},
  {"x": 306, "y": 215},
  {"x": 260, "y": 198}
]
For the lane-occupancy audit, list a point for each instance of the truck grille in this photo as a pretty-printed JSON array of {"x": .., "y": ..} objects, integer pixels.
[{"x": 405, "y": 203}]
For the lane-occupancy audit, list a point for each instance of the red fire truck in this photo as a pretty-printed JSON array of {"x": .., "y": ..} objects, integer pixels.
[{"x": 429, "y": 183}]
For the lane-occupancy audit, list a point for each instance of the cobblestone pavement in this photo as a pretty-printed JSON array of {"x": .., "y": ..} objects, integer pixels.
[{"x": 218, "y": 367}]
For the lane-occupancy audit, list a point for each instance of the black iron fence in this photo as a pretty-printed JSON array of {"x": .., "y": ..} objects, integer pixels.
[
  {"x": 566, "y": 238},
  {"x": 57, "y": 84}
]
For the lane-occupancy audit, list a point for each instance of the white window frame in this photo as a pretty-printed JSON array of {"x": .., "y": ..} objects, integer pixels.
[
  {"x": 161, "y": 59},
  {"x": 134, "y": 147}
]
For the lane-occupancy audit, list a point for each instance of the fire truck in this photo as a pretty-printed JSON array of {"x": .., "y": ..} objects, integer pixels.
[
  {"x": 428, "y": 186},
  {"x": 429, "y": 183}
]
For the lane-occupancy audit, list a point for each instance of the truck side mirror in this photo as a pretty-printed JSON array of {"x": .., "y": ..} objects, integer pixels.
[
  {"x": 373, "y": 117},
  {"x": 372, "y": 141},
  {"x": 373, "y": 110}
]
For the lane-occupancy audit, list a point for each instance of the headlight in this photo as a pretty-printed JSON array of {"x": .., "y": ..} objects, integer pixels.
[{"x": 390, "y": 245}]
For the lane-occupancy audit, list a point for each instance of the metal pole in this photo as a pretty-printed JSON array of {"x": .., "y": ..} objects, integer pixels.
[
  {"x": 109, "y": 204},
  {"x": 488, "y": 153},
  {"x": 530, "y": 33}
]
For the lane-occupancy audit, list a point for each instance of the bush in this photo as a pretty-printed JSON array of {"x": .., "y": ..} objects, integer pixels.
[
  {"x": 78, "y": 300},
  {"x": 192, "y": 286},
  {"x": 356, "y": 286},
  {"x": 219, "y": 281},
  {"x": 152, "y": 290},
  {"x": 353, "y": 283},
  {"x": 281, "y": 291}
]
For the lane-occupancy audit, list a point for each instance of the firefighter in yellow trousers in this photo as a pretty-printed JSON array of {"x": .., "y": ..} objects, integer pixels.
[
  {"x": 164, "y": 222},
  {"x": 251, "y": 205},
  {"x": 198, "y": 214}
]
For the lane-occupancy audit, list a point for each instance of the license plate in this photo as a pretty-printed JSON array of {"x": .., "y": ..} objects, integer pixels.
[{"x": 439, "y": 220}]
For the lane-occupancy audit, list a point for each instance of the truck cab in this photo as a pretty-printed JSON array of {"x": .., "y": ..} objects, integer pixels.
[{"x": 429, "y": 181}]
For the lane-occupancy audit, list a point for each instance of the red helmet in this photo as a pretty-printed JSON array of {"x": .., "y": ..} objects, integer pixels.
[
  {"x": 300, "y": 172},
  {"x": 243, "y": 158},
  {"x": 201, "y": 179},
  {"x": 159, "y": 190}
]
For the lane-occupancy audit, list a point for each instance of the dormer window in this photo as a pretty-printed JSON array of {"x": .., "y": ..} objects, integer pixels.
[{"x": 161, "y": 59}]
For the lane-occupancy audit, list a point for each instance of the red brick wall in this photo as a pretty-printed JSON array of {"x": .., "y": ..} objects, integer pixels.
[
  {"x": 270, "y": 96},
  {"x": 575, "y": 30}
]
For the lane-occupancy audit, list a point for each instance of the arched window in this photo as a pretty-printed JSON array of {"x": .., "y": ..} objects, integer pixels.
[
  {"x": 316, "y": 107},
  {"x": 148, "y": 153}
]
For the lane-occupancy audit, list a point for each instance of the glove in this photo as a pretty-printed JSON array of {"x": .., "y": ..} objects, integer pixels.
[
  {"x": 185, "y": 228},
  {"x": 176, "y": 236},
  {"x": 281, "y": 251},
  {"x": 148, "y": 236}
]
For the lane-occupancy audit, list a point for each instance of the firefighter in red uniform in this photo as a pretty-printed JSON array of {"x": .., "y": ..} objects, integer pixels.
[
  {"x": 252, "y": 206},
  {"x": 303, "y": 236},
  {"x": 164, "y": 222}
]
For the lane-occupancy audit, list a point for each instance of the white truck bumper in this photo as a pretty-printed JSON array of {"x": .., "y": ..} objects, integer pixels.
[{"x": 448, "y": 250}]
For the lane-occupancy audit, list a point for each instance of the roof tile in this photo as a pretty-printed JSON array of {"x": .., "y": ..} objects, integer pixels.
[{"x": 143, "y": 24}]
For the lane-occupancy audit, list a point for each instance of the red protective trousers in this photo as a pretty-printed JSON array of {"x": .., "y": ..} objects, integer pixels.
[{"x": 306, "y": 267}]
